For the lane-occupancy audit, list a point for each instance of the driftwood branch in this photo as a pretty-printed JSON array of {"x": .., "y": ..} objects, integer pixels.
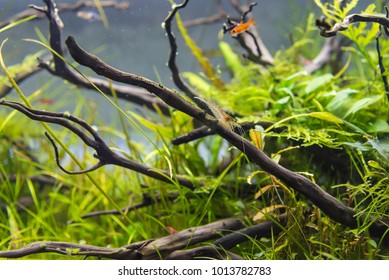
[
  {"x": 143, "y": 250},
  {"x": 104, "y": 154},
  {"x": 203, "y": 253},
  {"x": 265, "y": 229},
  {"x": 178, "y": 81},
  {"x": 324, "y": 57},
  {"x": 23, "y": 75},
  {"x": 250, "y": 40},
  {"x": 382, "y": 20},
  {"x": 381, "y": 64},
  {"x": 326, "y": 30},
  {"x": 204, "y": 131},
  {"x": 174, "y": 246}
]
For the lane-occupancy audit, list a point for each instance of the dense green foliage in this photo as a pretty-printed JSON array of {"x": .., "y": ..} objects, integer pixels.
[{"x": 329, "y": 126}]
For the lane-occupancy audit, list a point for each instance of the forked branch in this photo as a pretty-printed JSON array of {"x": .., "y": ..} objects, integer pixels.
[
  {"x": 104, "y": 154},
  {"x": 327, "y": 31},
  {"x": 143, "y": 250},
  {"x": 61, "y": 69}
]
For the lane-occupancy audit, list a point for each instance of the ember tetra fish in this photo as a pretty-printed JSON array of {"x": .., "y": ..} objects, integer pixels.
[{"x": 242, "y": 27}]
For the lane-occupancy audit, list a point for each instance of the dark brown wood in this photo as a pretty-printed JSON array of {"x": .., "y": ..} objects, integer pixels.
[
  {"x": 203, "y": 253},
  {"x": 145, "y": 250}
]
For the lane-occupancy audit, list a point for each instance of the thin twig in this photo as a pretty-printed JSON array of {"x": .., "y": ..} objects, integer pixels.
[
  {"x": 251, "y": 6},
  {"x": 190, "y": 92},
  {"x": 147, "y": 201},
  {"x": 23, "y": 74},
  {"x": 381, "y": 64}
]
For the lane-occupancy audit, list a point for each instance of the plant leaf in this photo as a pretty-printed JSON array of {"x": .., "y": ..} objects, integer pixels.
[
  {"x": 362, "y": 103},
  {"x": 197, "y": 82},
  {"x": 262, "y": 213},
  {"x": 256, "y": 137},
  {"x": 231, "y": 58},
  {"x": 262, "y": 191},
  {"x": 318, "y": 82},
  {"x": 326, "y": 116}
]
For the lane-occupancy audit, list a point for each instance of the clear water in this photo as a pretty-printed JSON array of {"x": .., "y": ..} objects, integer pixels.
[{"x": 135, "y": 41}]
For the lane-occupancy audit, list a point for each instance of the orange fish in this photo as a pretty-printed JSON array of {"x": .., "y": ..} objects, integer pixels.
[{"x": 242, "y": 27}]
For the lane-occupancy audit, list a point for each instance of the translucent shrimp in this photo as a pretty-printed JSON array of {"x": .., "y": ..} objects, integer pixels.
[{"x": 224, "y": 119}]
